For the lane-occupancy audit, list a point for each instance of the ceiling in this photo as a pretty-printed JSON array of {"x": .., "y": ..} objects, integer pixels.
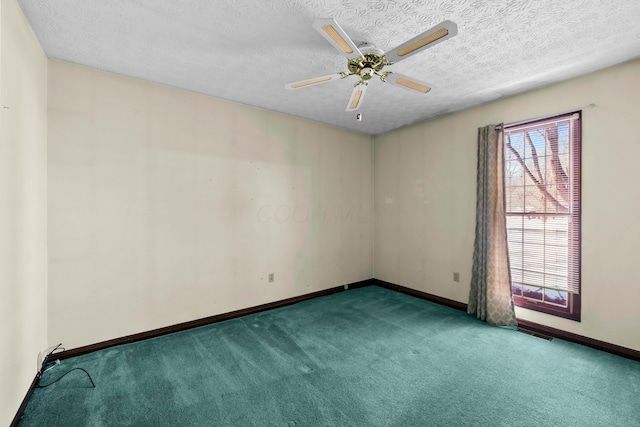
[{"x": 247, "y": 50}]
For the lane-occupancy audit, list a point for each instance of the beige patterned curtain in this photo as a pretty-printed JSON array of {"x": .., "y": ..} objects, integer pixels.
[{"x": 490, "y": 294}]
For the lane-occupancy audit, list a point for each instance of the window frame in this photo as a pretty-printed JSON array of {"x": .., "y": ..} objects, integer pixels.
[{"x": 574, "y": 301}]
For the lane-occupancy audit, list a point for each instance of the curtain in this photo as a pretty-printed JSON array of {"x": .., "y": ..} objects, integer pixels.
[{"x": 490, "y": 294}]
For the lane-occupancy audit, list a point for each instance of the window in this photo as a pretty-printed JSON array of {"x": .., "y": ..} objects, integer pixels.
[{"x": 542, "y": 179}]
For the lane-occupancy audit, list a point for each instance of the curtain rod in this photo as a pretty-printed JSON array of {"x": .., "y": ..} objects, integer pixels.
[{"x": 590, "y": 106}]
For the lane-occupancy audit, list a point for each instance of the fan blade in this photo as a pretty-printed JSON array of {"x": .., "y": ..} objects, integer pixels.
[
  {"x": 406, "y": 82},
  {"x": 356, "y": 98},
  {"x": 441, "y": 32},
  {"x": 313, "y": 82},
  {"x": 330, "y": 30}
]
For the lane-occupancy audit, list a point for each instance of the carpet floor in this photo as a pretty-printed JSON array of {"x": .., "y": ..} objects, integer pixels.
[{"x": 365, "y": 357}]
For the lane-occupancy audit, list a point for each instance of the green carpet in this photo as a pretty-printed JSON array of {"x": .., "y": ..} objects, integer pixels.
[{"x": 365, "y": 357}]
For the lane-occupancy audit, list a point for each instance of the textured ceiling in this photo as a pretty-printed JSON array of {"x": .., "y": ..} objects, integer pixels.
[{"x": 247, "y": 50}]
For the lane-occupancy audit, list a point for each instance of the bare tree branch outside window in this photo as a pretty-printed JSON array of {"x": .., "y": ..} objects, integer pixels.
[{"x": 545, "y": 184}]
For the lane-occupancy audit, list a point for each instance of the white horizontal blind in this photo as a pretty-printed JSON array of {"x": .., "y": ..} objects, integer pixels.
[{"x": 542, "y": 194}]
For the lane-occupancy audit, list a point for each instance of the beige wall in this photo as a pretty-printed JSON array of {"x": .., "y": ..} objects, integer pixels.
[
  {"x": 23, "y": 256},
  {"x": 425, "y": 199},
  {"x": 167, "y": 206}
]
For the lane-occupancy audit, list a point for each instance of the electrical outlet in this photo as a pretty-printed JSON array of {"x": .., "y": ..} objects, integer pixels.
[
  {"x": 456, "y": 277},
  {"x": 271, "y": 277}
]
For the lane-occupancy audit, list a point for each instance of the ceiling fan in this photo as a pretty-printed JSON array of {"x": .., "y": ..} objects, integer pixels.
[{"x": 366, "y": 60}]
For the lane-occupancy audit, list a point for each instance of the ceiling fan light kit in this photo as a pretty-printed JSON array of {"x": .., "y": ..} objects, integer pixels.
[{"x": 366, "y": 60}]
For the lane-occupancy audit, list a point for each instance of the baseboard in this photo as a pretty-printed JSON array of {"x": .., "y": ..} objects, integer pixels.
[
  {"x": 423, "y": 295},
  {"x": 547, "y": 330},
  {"x": 580, "y": 339},
  {"x": 79, "y": 351},
  {"x": 361, "y": 284},
  {"x": 23, "y": 405},
  {"x": 534, "y": 327},
  {"x": 205, "y": 321}
]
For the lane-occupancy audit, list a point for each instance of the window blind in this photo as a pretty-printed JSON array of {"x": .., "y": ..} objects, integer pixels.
[{"x": 542, "y": 195}]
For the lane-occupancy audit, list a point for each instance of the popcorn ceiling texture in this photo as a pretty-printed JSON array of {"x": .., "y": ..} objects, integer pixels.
[{"x": 247, "y": 50}]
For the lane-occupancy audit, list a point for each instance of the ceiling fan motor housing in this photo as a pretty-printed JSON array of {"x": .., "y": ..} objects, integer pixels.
[{"x": 367, "y": 65}]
